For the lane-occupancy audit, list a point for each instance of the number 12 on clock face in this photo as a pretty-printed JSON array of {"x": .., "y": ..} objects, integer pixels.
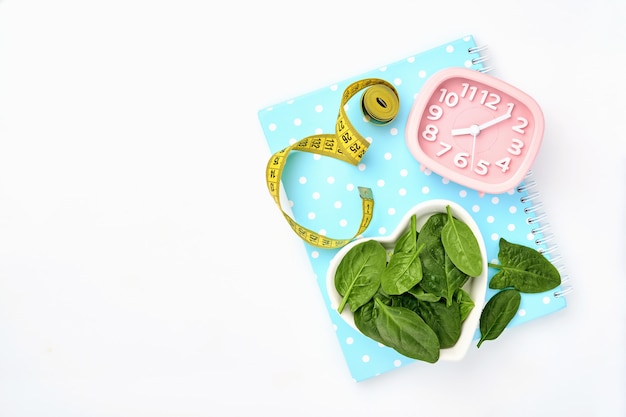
[{"x": 474, "y": 129}]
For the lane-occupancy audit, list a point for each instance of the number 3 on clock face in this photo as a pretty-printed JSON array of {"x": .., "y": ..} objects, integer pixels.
[{"x": 475, "y": 130}]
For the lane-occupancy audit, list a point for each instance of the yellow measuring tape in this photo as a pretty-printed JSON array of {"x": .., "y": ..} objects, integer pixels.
[{"x": 380, "y": 104}]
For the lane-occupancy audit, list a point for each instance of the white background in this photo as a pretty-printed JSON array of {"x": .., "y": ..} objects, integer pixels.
[{"x": 145, "y": 270}]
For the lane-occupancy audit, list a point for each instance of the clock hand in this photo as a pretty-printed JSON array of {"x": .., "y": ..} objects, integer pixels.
[
  {"x": 478, "y": 128},
  {"x": 472, "y": 130},
  {"x": 497, "y": 119},
  {"x": 473, "y": 150}
]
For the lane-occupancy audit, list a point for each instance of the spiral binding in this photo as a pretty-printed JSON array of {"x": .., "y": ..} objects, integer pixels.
[
  {"x": 541, "y": 230},
  {"x": 480, "y": 59}
]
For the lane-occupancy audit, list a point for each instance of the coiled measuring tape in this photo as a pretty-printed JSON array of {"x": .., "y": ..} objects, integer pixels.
[{"x": 380, "y": 104}]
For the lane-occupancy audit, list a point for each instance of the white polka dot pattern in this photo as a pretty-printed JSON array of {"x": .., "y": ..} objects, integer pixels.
[{"x": 323, "y": 193}]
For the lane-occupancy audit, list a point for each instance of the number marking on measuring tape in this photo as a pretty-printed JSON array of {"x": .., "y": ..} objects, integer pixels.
[{"x": 380, "y": 104}]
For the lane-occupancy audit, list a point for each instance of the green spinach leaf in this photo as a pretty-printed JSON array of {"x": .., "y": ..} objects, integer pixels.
[
  {"x": 419, "y": 293},
  {"x": 498, "y": 313},
  {"x": 407, "y": 242},
  {"x": 443, "y": 319},
  {"x": 403, "y": 272},
  {"x": 430, "y": 234},
  {"x": 404, "y": 300},
  {"x": 524, "y": 269},
  {"x": 461, "y": 246},
  {"x": 465, "y": 302},
  {"x": 440, "y": 276},
  {"x": 358, "y": 274},
  {"x": 406, "y": 332},
  {"x": 365, "y": 321}
]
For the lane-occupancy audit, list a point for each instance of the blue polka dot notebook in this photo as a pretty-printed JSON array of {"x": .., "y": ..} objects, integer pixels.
[{"x": 321, "y": 193}]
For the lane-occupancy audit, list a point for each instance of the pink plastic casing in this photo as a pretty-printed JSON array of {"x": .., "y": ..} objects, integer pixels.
[{"x": 460, "y": 100}]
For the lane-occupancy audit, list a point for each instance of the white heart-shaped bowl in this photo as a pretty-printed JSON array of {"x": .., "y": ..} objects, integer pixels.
[{"x": 475, "y": 286}]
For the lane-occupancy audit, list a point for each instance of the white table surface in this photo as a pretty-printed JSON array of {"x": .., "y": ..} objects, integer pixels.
[{"x": 145, "y": 270}]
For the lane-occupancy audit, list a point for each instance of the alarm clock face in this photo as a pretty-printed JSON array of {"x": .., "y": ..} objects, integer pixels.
[{"x": 474, "y": 129}]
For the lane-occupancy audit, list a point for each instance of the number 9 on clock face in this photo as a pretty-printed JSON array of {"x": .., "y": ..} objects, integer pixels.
[{"x": 475, "y": 130}]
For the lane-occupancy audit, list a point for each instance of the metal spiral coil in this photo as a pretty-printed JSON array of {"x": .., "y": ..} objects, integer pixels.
[
  {"x": 545, "y": 241},
  {"x": 480, "y": 59}
]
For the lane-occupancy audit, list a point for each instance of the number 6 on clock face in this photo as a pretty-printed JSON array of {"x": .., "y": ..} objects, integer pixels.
[{"x": 474, "y": 129}]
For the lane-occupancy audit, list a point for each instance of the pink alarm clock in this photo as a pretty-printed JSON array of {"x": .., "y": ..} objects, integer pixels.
[{"x": 474, "y": 129}]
